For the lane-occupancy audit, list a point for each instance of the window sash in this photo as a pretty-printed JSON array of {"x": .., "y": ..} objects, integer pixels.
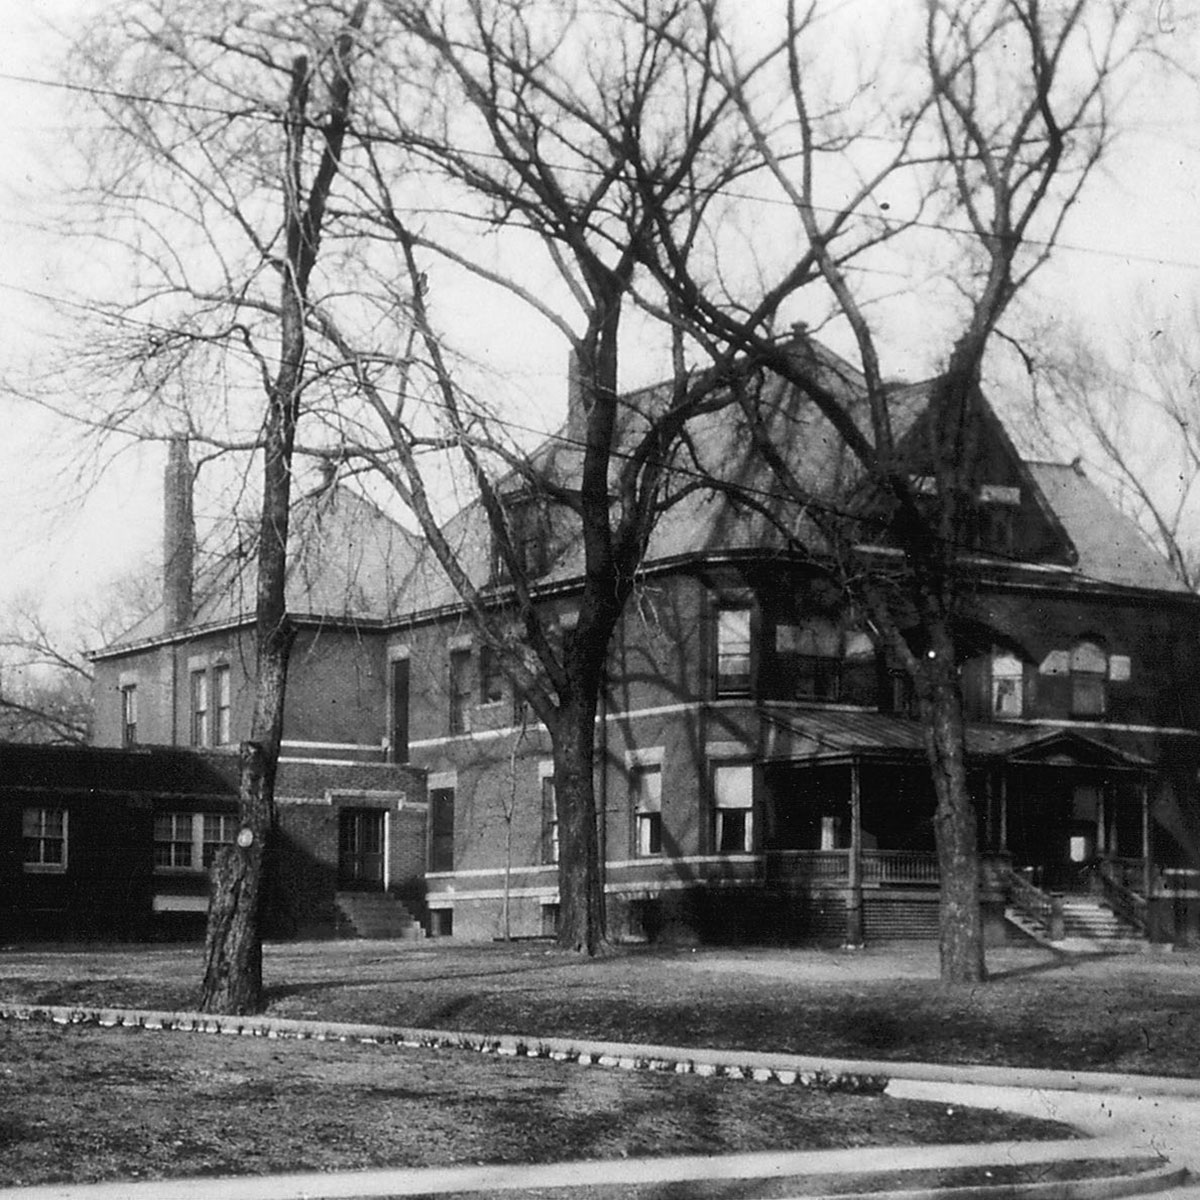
[
  {"x": 733, "y": 651},
  {"x": 549, "y": 821},
  {"x": 199, "y": 708},
  {"x": 44, "y": 839},
  {"x": 460, "y": 692},
  {"x": 222, "y": 684},
  {"x": 129, "y": 715}
]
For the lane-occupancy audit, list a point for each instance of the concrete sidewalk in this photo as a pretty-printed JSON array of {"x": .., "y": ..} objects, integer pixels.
[{"x": 1126, "y": 1116}]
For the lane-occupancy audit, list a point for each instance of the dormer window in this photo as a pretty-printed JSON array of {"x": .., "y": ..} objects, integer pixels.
[{"x": 1089, "y": 673}]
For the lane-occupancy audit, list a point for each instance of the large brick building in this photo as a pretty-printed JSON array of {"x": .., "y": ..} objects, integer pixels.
[{"x": 759, "y": 772}]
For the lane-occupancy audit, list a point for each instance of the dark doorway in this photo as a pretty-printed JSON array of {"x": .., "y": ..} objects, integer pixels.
[{"x": 360, "y": 849}]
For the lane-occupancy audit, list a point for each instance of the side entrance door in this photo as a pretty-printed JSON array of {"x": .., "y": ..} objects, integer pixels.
[{"x": 360, "y": 849}]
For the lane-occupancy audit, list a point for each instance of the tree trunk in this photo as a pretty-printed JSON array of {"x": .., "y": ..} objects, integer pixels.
[
  {"x": 233, "y": 942},
  {"x": 580, "y": 883},
  {"x": 959, "y": 921}
]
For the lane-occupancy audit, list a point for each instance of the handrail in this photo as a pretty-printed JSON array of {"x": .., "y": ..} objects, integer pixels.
[
  {"x": 1031, "y": 902},
  {"x": 1125, "y": 902}
]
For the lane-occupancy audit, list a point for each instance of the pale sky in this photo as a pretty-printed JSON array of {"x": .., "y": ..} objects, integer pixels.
[{"x": 1135, "y": 233}]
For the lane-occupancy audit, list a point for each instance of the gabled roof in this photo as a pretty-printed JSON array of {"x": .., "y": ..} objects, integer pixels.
[
  {"x": 1110, "y": 546},
  {"x": 1066, "y": 523}
]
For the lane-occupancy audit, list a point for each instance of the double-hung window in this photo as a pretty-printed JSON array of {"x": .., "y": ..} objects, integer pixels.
[
  {"x": 646, "y": 788},
  {"x": 129, "y": 714},
  {"x": 1008, "y": 685},
  {"x": 549, "y": 821},
  {"x": 733, "y": 808},
  {"x": 174, "y": 848},
  {"x": 44, "y": 839},
  {"x": 223, "y": 687},
  {"x": 199, "y": 697},
  {"x": 460, "y": 691},
  {"x": 189, "y": 841},
  {"x": 733, "y": 651}
]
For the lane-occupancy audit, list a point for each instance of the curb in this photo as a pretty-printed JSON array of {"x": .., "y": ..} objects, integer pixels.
[
  {"x": 729, "y": 1064},
  {"x": 737, "y": 1064}
]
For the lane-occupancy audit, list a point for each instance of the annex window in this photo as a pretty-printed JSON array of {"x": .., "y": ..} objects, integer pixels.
[
  {"x": 129, "y": 714},
  {"x": 44, "y": 839},
  {"x": 441, "y": 829},
  {"x": 733, "y": 808},
  {"x": 460, "y": 691},
  {"x": 810, "y": 656},
  {"x": 174, "y": 848},
  {"x": 199, "y": 699},
  {"x": 645, "y": 785},
  {"x": 223, "y": 689},
  {"x": 1008, "y": 684},
  {"x": 1089, "y": 671},
  {"x": 733, "y": 651},
  {"x": 491, "y": 677},
  {"x": 549, "y": 820},
  {"x": 189, "y": 841},
  {"x": 216, "y": 830}
]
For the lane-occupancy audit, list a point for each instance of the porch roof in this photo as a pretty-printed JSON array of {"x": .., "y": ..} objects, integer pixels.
[{"x": 830, "y": 736}]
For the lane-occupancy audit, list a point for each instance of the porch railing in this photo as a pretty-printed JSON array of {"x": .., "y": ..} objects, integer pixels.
[
  {"x": 880, "y": 868},
  {"x": 1119, "y": 896},
  {"x": 900, "y": 867}
]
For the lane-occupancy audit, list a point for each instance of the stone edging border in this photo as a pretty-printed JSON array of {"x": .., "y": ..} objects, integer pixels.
[{"x": 703, "y": 1062}]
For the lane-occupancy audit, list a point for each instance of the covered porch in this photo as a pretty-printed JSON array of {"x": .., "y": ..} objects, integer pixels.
[{"x": 849, "y": 806}]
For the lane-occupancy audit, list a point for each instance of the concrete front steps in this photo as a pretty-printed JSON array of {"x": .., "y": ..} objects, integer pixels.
[
  {"x": 1089, "y": 927},
  {"x": 375, "y": 915}
]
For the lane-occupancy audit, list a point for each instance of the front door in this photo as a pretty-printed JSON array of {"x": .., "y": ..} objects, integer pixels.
[{"x": 360, "y": 849}]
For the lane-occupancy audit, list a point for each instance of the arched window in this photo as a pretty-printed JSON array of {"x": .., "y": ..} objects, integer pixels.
[{"x": 1089, "y": 675}]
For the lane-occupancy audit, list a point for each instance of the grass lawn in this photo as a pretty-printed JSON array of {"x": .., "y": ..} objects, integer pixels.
[
  {"x": 86, "y": 1103},
  {"x": 1138, "y": 1013},
  {"x": 80, "y": 1104}
]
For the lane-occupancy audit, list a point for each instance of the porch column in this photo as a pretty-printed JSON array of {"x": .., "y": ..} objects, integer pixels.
[
  {"x": 854, "y": 922},
  {"x": 1147, "y": 864},
  {"x": 1102, "y": 820}
]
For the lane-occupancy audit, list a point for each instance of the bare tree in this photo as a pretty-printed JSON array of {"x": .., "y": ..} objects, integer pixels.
[
  {"x": 993, "y": 138},
  {"x": 537, "y": 128},
  {"x": 1136, "y": 426},
  {"x": 220, "y": 146}
]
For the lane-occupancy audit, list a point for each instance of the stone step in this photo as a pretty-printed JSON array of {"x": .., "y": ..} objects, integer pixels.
[{"x": 376, "y": 915}]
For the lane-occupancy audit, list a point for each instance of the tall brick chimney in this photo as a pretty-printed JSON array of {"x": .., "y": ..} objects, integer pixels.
[
  {"x": 179, "y": 536},
  {"x": 576, "y": 408}
]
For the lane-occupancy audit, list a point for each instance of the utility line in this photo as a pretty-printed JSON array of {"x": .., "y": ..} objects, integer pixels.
[{"x": 267, "y": 113}]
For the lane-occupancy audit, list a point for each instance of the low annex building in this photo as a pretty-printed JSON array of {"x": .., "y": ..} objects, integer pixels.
[{"x": 760, "y": 772}]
